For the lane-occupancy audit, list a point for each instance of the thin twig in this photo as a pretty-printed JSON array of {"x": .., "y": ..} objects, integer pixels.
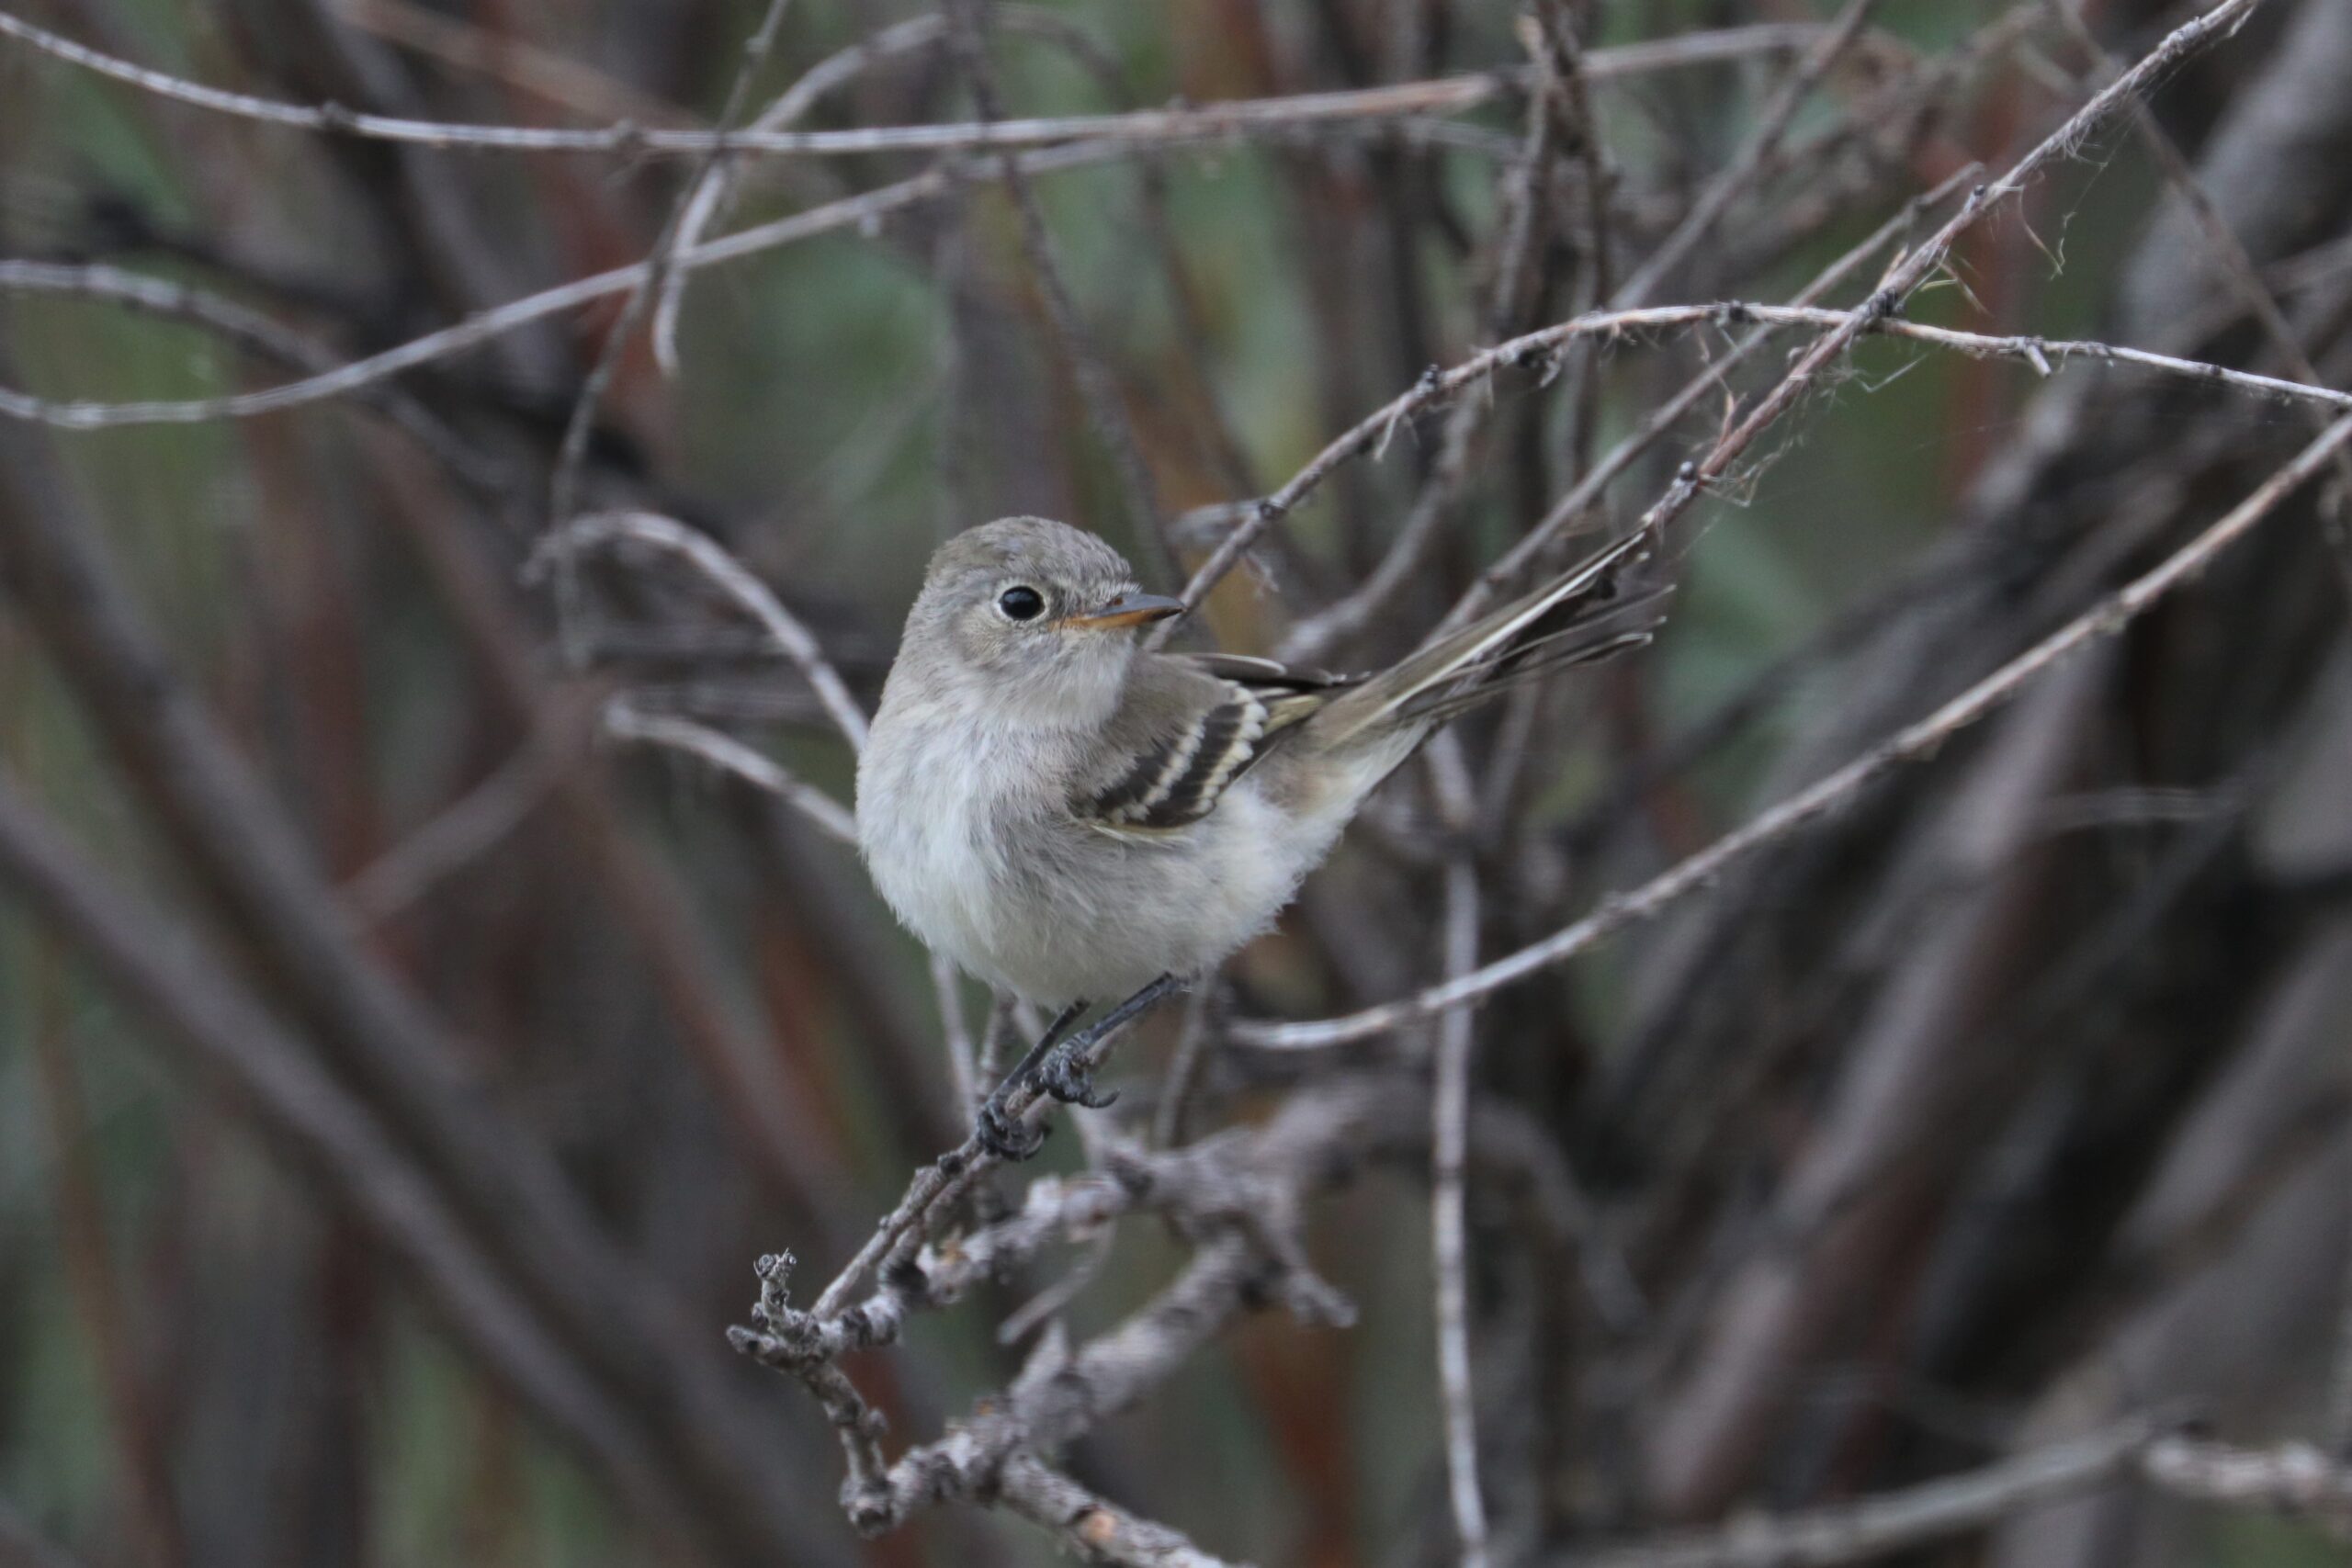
[
  {"x": 1876, "y": 1527},
  {"x": 1910, "y": 271},
  {"x": 1762, "y": 140},
  {"x": 860, "y": 211},
  {"x": 463, "y": 831},
  {"x": 563, "y": 486},
  {"x": 262, "y": 336},
  {"x": 625, "y": 721},
  {"x": 2245, "y": 275},
  {"x": 709, "y": 190},
  {"x": 1450, "y": 1158},
  {"x": 1915, "y": 742},
  {"x": 734, "y": 580},
  {"x": 1209, "y": 121},
  {"x": 1247, "y": 520},
  {"x": 954, "y": 1171},
  {"x": 2293, "y": 1478},
  {"x": 1098, "y": 1530},
  {"x": 1533, "y": 347},
  {"x": 1098, "y": 388},
  {"x": 828, "y": 75},
  {"x": 1517, "y": 238}
]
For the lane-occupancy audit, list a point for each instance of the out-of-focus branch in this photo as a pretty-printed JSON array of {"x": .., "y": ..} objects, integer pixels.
[
  {"x": 734, "y": 580},
  {"x": 1098, "y": 1530},
  {"x": 1935, "y": 1511},
  {"x": 469, "y": 827},
  {"x": 545, "y": 75},
  {"x": 2293, "y": 1478},
  {"x": 255, "y": 872},
  {"x": 1211, "y": 122},
  {"x": 1763, "y": 140},
  {"x": 562, "y": 486},
  {"x": 625, "y": 721},
  {"x": 152, "y": 1510},
  {"x": 235, "y": 1042},
  {"x": 1098, "y": 388}
]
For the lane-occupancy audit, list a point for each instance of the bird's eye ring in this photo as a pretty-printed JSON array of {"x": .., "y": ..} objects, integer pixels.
[{"x": 1021, "y": 602}]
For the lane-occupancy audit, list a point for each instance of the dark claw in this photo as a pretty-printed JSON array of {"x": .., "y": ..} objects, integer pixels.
[
  {"x": 1068, "y": 1079},
  {"x": 1009, "y": 1138}
]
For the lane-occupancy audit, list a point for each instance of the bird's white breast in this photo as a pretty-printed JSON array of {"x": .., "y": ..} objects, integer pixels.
[
  {"x": 980, "y": 855},
  {"x": 932, "y": 851}
]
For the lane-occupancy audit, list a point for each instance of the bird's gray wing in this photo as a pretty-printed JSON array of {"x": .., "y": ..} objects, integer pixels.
[
  {"x": 1266, "y": 675},
  {"x": 1190, "y": 726}
]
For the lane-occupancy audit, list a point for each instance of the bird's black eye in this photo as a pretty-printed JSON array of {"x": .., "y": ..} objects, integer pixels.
[{"x": 1021, "y": 602}]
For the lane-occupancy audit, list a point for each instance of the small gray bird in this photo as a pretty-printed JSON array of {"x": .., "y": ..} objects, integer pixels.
[{"x": 1068, "y": 816}]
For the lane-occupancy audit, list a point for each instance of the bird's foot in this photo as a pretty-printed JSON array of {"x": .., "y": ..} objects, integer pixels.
[
  {"x": 1060, "y": 1066},
  {"x": 1006, "y": 1136},
  {"x": 1066, "y": 1076},
  {"x": 1009, "y": 1138}
]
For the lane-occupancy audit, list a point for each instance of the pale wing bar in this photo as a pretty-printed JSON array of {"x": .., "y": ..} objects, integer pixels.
[{"x": 1179, "y": 781}]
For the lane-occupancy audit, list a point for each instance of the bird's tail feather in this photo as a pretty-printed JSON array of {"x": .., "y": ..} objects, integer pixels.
[{"x": 1583, "y": 614}]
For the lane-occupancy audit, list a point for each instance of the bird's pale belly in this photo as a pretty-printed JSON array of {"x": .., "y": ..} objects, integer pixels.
[{"x": 1080, "y": 913}]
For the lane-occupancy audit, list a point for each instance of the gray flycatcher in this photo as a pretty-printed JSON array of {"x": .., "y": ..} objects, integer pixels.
[{"x": 1067, "y": 816}]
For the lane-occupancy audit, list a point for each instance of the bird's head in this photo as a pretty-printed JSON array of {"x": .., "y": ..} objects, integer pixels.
[{"x": 1033, "y": 613}]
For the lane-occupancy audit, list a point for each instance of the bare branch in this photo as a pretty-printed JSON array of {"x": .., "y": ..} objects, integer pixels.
[
  {"x": 734, "y": 580},
  {"x": 1911, "y": 270},
  {"x": 1935, "y": 1511},
  {"x": 1763, "y": 140},
  {"x": 625, "y": 721},
  {"x": 1206, "y": 122},
  {"x": 1098, "y": 1530},
  {"x": 563, "y": 485},
  {"x": 1834, "y": 792},
  {"x": 2293, "y": 1478},
  {"x": 1098, "y": 388},
  {"x": 1450, "y": 1159},
  {"x": 468, "y": 829}
]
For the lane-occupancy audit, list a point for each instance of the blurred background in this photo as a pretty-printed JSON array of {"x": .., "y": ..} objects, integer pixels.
[{"x": 409, "y": 1034}]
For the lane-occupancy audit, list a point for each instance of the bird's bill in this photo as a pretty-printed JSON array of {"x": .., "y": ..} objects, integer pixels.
[{"x": 1129, "y": 610}]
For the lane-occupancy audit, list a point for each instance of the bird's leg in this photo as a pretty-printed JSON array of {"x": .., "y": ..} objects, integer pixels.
[
  {"x": 1062, "y": 1064},
  {"x": 1067, "y": 1070},
  {"x": 1001, "y": 1134}
]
